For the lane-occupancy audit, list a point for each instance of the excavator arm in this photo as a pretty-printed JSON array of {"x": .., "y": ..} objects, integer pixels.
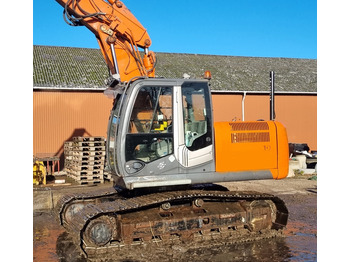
[{"x": 119, "y": 35}]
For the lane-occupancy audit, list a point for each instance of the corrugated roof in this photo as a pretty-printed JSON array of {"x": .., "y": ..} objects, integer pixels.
[{"x": 68, "y": 67}]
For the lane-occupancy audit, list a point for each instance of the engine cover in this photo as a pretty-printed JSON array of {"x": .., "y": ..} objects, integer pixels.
[{"x": 251, "y": 146}]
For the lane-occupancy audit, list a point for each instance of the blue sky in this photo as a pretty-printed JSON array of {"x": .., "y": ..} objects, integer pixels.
[{"x": 257, "y": 28}]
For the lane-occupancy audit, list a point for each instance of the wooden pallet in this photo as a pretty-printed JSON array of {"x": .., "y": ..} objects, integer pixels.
[
  {"x": 87, "y": 158},
  {"x": 87, "y": 168},
  {"x": 89, "y": 143},
  {"x": 86, "y": 153},
  {"x": 89, "y": 148},
  {"x": 78, "y": 173},
  {"x": 87, "y": 177},
  {"x": 88, "y": 162},
  {"x": 90, "y": 138}
]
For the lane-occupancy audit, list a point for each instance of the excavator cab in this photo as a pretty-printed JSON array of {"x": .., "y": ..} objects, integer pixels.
[
  {"x": 160, "y": 129},
  {"x": 161, "y": 134}
]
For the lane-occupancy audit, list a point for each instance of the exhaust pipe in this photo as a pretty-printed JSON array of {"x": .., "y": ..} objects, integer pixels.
[{"x": 272, "y": 96}]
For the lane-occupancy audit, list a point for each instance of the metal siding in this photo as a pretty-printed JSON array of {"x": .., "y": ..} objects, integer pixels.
[
  {"x": 298, "y": 113},
  {"x": 59, "y": 116},
  {"x": 227, "y": 107}
]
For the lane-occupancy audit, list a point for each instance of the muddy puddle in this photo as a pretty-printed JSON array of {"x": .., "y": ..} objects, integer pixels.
[{"x": 52, "y": 243}]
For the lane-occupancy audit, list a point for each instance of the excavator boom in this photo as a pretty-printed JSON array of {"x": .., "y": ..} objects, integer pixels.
[{"x": 118, "y": 33}]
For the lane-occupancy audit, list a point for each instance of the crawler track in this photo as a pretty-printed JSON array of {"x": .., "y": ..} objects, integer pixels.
[{"x": 105, "y": 221}]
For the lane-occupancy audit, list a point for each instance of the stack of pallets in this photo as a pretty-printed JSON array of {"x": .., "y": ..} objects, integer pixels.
[{"x": 85, "y": 158}]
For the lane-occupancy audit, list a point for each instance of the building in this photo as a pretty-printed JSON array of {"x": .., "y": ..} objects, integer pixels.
[{"x": 68, "y": 85}]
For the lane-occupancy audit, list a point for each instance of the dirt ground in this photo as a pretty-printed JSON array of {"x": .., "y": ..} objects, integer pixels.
[{"x": 52, "y": 243}]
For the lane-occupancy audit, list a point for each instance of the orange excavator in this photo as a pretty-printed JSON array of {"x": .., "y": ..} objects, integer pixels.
[{"x": 166, "y": 153}]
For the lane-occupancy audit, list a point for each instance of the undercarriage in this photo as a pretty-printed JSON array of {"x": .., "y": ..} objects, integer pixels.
[{"x": 105, "y": 221}]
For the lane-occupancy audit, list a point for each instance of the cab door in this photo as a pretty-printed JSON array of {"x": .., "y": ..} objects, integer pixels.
[{"x": 194, "y": 117}]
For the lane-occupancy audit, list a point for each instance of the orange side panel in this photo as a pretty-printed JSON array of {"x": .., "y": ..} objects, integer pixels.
[
  {"x": 247, "y": 146},
  {"x": 283, "y": 151}
]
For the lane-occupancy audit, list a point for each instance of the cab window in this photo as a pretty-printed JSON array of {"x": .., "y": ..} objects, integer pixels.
[
  {"x": 197, "y": 116},
  {"x": 150, "y": 135}
]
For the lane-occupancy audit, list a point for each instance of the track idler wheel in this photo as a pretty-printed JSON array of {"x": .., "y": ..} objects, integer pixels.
[
  {"x": 71, "y": 210},
  {"x": 261, "y": 214},
  {"x": 99, "y": 231}
]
